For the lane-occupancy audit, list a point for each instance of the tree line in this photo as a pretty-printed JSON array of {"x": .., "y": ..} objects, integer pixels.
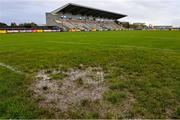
[
  {"x": 22, "y": 25},
  {"x": 133, "y": 25}
]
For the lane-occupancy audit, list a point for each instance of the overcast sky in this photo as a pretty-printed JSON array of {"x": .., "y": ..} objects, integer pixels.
[{"x": 156, "y": 12}]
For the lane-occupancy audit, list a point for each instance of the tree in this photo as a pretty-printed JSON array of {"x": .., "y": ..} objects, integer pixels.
[
  {"x": 28, "y": 25},
  {"x": 3, "y": 24},
  {"x": 125, "y": 24},
  {"x": 14, "y": 25},
  {"x": 138, "y": 26}
]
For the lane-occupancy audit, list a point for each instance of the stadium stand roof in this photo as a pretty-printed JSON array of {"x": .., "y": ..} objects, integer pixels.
[{"x": 88, "y": 11}]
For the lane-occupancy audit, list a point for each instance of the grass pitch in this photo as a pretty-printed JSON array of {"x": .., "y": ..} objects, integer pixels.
[{"x": 142, "y": 72}]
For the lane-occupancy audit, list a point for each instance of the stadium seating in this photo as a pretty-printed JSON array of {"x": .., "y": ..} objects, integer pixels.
[
  {"x": 88, "y": 25},
  {"x": 74, "y": 17}
]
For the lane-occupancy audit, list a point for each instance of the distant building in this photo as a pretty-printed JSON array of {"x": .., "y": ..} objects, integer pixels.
[
  {"x": 176, "y": 28},
  {"x": 163, "y": 27}
]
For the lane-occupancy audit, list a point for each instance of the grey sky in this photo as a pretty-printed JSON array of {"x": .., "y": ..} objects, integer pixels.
[{"x": 156, "y": 12}]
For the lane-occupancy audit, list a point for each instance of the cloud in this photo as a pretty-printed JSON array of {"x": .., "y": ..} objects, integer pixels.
[{"x": 164, "y": 12}]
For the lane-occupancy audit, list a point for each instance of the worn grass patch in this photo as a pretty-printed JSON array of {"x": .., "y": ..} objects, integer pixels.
[{"x": 67, "y": 92}]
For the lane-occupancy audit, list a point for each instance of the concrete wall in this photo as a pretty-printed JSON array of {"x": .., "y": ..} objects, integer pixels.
[{"x": 50, "y": 19}]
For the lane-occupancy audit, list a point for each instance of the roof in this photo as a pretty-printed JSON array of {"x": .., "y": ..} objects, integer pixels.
[{"x": 88, "y": 11}]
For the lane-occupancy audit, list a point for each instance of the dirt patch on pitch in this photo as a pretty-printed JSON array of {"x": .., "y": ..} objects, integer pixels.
[{"x": 63, "y": 90}]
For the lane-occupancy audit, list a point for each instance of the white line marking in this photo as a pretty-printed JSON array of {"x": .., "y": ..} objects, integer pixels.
[
  {"x": 110, "y": 45},
  {"x": 11, "y": 68},
  {"x": 77, "y": 43}
]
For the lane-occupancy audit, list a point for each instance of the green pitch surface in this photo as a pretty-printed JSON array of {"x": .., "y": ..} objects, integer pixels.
[{"x": 142, "y": 72}]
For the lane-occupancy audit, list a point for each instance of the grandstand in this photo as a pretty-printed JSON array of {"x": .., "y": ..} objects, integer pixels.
[{"x": 73, "y": 17}]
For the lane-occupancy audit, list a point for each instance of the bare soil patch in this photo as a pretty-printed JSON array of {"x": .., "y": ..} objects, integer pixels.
[
  {"x": 78, "y": 91},
  {"x": 63, "y": 90}
]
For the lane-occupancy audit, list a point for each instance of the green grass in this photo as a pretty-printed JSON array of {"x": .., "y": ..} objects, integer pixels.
[
  {"x": 114, "y": 97},
  {"x": 144, "y": 64},
  {"x": 14, "y": 102}
]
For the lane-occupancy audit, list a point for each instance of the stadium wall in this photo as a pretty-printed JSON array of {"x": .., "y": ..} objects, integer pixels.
[
  {"x": 27, "y": 31},
  {"x": 50, "y": 20}
]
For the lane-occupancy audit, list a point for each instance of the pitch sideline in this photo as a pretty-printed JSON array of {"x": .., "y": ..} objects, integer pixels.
[{"x": 11, "y": 68}]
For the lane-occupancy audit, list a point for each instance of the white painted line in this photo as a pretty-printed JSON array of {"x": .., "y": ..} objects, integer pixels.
[
  {"x": 11, "y": 68},
  {"x": 77, "y": 43}
]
